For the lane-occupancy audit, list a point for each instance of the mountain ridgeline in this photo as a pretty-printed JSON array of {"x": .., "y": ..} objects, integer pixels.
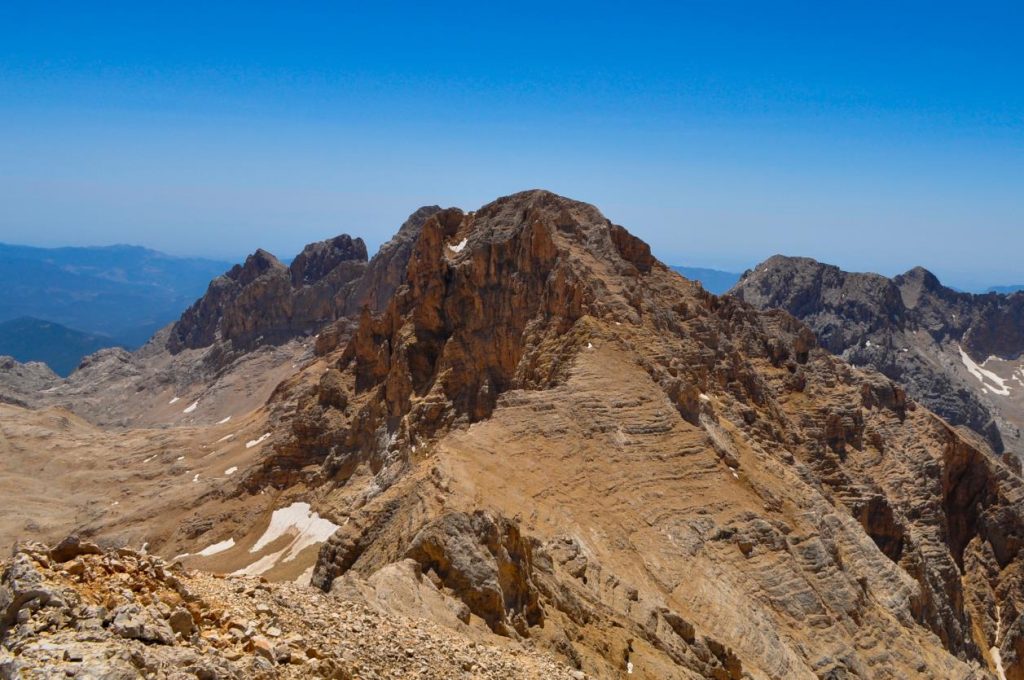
[
  {"x": 961, "y": 354},
  {"x": 517, "y": 423}
]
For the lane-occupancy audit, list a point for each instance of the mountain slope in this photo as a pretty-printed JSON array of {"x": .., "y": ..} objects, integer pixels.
[
  {"x": 586, "y": 450},
  {"x": 59, "y": 347},
  {"x": 959, "y": 353},
  {"x": 124, "y": 292},
  {"x": 545, "y": 437}
]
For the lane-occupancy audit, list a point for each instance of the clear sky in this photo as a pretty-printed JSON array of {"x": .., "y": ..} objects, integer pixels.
[{"x": 874, "y": 135}]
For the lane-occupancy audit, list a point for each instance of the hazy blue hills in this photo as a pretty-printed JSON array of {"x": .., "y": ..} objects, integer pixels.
[
  {"x": 1005, "y": 289},
  {"x": 124, "y": 293},
  {"x": 713, "y": 280},
  {"x": 60, "y": 347}
]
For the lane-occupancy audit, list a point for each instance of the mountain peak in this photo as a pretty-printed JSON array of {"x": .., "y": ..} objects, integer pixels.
[{"x": 263, "y": 301}]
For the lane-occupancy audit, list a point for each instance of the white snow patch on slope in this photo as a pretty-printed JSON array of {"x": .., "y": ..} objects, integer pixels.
[
  {"x": 225, "y": 437},
  {"x": 191, "y": 407},
  {"x": 256, "y": 442},
  {"x": 457, "y": 248},
  {"x": 223, "y": 420},
  {"x": 305, "y": 527},
  {"x": 260, "y": 566},
  {"x": 196, "y": 478},
  {"x": 305, "y": 577},
  {"x": 997, "y": 386},
  {"x": 175, "y": 400},
  {"x": 231, "y": 470},
  {"x": 217, "y": 548}
]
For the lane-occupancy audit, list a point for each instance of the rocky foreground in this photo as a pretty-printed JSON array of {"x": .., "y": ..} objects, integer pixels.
[{"x": 81, "y": 612}]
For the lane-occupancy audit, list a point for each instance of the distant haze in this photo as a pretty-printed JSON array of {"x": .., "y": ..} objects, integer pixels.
[{"x": 875, "y": 136}]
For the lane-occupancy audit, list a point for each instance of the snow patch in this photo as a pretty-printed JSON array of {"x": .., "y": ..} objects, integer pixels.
[
  {"x": 225, "y": 437},
  {"x": 191, "y": 407},
  {"x": 998, "y": 385},
  {"x": 457, "y": 248},
  {"x": 997, "y": 658},
  {"x": 306, "y": 577},
  {"x": 256, "y": 442},
  {"x": 217, "y": 548},
  {"x": 223, "y": 420},
  {"x": 175, "y": 400},
  {"x": 305, "y": 527},
  {"x": 231, "y": 470},
  {"x": 149, "y": 459},
  {"x": 196, "y": 478}
]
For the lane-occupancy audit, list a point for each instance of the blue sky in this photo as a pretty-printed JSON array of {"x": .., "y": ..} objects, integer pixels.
[{"x": 877, "y": 136}]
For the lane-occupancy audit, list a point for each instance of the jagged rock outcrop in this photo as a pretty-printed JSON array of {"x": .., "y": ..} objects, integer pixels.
[
  {"x": 538, "y": 364},
  {"x": 253, "y": 323},
  {"x": 912, "y": 329},
  {"x": 262, "y": 301},
  {"x": 122, "y": 614},
  {"x": 486, "y": 563},
  {"x": 19, "y": 383}
]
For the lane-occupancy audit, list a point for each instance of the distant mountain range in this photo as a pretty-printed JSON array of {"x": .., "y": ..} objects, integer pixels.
[
  {"x": 1005, "y": 289},
  {"x": 959, "y": 353},
  {"x": 60, "y": 347},
  {"x": 713, "y": 280},
  {"x": 88, "y": 298},
  {"x": 124, "y": 292}
]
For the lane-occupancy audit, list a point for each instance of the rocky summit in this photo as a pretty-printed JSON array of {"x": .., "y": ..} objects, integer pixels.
[
  {"x": 960, "y": 354},
  {"x": 512, "y": 444}
]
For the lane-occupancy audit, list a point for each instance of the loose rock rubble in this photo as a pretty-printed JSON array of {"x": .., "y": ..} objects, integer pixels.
[{"x": 76, "y": 611}]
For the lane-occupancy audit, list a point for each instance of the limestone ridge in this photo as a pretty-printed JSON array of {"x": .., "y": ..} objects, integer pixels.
[
  {"x": 236, "y": 342},
  {"x": 568, "y": 439},
  {"x": 911, "y": 328},
  {"x": 264, "y": 301},
  {"x": 485, "y": 305},
  {"x": 524, "y": 425}
]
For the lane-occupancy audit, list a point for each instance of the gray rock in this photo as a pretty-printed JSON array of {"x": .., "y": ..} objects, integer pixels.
[
  {"x": 72, "y": 547},
  {"x": 135, "y": 623},
  {"x": 906, "y": 328},
  {"x": 181, "y": 622}
]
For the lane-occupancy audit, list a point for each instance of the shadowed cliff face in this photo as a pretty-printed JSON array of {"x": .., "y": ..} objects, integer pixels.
[
  {"x": 264, "y": 302},
  {"x": 580, "y": 447},
  {"x": 912, "y": 329}
]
